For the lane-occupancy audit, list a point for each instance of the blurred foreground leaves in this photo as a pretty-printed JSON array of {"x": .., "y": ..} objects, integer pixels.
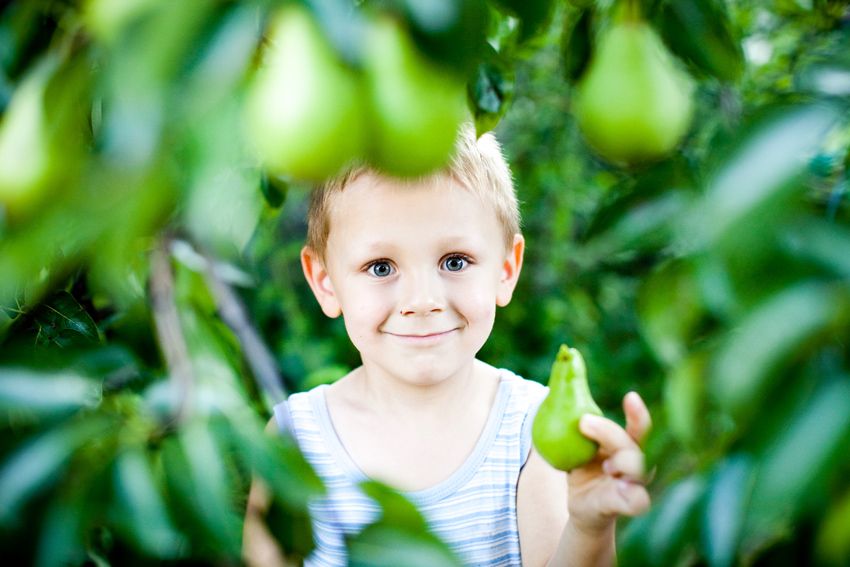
[{"x": 152, "y": 308}]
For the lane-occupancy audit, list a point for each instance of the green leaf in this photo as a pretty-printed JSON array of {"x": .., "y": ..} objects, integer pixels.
[
  {"x": 210, "y": 487},
  {"x": 577, "y": 44},
  {"x": 825, "y": 243},
  {"x": 534, "y": 15},
  {"x": 770, "y": 336},
  {"x": 725, "y": 509},
  {"x": 833, "y": 539},
  {"x": 139, "y": 508},
  {"x": 758, "y": 169},
  {"x": 61, "y": 320},
  {"x": 274, "y": 189},
  {"x": 491, "y": 90},
  {"x": 292, "y": 529},
  {"x": 699, "y": 32},
  {"x": 684, "y": 399},
  {"x": 398, "y": 511},
  {"x": 47, "y": 393},
  {"x": 381, "y": 545},
  {"x": 40, "y": 462},
  {"x": 674, "y": 519},
  {"x": 798, "y": 460},
  {"x": 62, "y": 534}
]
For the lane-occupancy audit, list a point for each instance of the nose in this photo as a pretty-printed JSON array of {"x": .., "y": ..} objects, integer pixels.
[{"x": 421, "y": 293}]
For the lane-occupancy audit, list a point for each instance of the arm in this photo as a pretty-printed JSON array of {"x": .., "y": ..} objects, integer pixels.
[
  {"x": 555, "y": 530},
  {"x": 259, "y": 548}
]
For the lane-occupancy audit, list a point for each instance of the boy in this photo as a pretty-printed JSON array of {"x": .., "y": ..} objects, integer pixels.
[{"x": 416, "y": 269}]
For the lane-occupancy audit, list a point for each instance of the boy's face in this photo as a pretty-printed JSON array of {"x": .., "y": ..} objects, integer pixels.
[{"x": 417, "y": 273}]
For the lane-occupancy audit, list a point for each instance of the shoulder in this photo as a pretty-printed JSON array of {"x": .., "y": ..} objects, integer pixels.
[{"x": 524, "y": 393}]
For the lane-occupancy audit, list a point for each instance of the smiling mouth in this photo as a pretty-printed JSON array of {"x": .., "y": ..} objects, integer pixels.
[{"x": 423, "y": 338}]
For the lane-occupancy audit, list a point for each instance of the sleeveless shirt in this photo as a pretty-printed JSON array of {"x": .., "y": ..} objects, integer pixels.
[{"x": 473, "y": 510}]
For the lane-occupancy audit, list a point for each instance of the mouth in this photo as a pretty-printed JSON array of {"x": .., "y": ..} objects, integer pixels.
[{"x": 423, "y": 337}]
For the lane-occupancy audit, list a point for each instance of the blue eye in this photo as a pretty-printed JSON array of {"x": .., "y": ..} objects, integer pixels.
[
  {"x": 381, "y": 269},
  {"x": 454, "y": 263}
]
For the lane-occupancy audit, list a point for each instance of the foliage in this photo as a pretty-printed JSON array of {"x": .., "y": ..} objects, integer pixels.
[{"x": 153, "y": 308}]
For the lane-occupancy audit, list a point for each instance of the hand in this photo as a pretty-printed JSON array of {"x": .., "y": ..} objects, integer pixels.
[{"x": 613, "y": 483}]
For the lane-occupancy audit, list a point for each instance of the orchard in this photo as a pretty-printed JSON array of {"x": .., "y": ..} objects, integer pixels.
[{"x": 683, "y": 172}]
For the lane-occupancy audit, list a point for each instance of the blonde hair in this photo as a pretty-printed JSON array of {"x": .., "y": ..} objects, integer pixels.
[{"x": 477, "y": 165}]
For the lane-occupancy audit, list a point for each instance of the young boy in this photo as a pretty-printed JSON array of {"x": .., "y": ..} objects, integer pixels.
[{"x": 416, "y": 269}]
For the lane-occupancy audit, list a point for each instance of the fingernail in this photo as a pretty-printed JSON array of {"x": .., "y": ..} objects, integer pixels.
[
  {"x": 606, "y": 466},
  {"x": 623, "y": 487}
]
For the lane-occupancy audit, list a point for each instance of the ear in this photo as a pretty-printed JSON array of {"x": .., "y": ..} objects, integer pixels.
[
  {"x": 510, "y": 271},
  {"x": 320, "y": 282}
]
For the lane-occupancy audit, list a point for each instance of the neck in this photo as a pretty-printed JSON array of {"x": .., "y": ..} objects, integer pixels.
[{"x": 388, "y": 395}]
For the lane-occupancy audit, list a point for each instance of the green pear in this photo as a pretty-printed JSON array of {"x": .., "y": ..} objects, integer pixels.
[
  {"x": 305, "y": 108},
  {"x": 634, "y": 102},
  {"x": 417, "y": 105},
  {"x": 555, "y": 429}
]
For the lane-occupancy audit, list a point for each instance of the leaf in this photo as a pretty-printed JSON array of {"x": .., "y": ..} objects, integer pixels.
[
  {"x": 825, "y": 243},
  {"x": 799, "y": 458},
  {"x": 39, "y": 463},
  {"x": 47, "y": 393},
  {"x": 293, "y": 530},
  {"x": 758, "y": 169},
  {"x": 534, "y": 15},
  {"x": 698, "y": 31},
  {"x": 674, "y": 519},
  {"x": 61, "y": 541},
  {"x": 139, "y": 508},
  {"x": 670, "y": 308},
  {"x": 833, "y": 538},
  {"x": 381, "y": 545},
  {"x": 577, "y": 44},
  {"x": 491, "y": 91},
  {"x": 771, "y": 335},
  {"x": 684, "y": 399},
  {"x": 61, "y": 320},
  {"x": 398, "y": 511},
  {"x": 274, "y": 189},
  {"x": 725, "y": 508},
  {"x": 210, "y": 487}
]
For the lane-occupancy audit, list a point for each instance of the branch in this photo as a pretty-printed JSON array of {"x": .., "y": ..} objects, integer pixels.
[{"x": 169, "y": 333}]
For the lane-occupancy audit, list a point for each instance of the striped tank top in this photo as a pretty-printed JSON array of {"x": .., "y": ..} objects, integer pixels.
[{"x": 473, "y": 510}]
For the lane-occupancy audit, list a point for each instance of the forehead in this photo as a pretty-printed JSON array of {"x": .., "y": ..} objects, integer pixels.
[{"x": 372, "y": 204}]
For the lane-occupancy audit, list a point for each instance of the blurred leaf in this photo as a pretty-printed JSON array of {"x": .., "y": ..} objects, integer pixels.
[
  {"x": 798, "y": 459},
  {"x": 274, "y": 190},
  {"x": 139, "y": 508},
  {"x": 577, "y": 44},
  {"x": 770, "y": 336},
  {"x": 674, "y": 520},
  {"x": 453, "y": 32},
  {"x": 210, "y": 487},
  {"x": 699, "y": 32},
  {"x": 491, "y": 90},
  {"x": 292, "y": 529},
  {"x": 39, "y": 462},
  {"x": 833, "y": 538},
  {"x": 670, "y": 307},
  {"x": 726, "y": 507},
  {"x": 684, "y": 399},
  {"x": 382, "y": 545},
  {"x": 534, "y": 15},
  {"x": 63, "y": 532},
  {"x": 47, "y": 393},
  {"x": 279, "y": 463},
  {"x": 758, "y": 169},
  {"x": 398, "y": 511},
  {"x": 61, "y": 320},
  {"x": 827, "y": 244}
]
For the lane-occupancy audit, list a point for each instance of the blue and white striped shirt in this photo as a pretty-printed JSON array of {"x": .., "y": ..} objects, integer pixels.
[{"x": 473, "y": 511}]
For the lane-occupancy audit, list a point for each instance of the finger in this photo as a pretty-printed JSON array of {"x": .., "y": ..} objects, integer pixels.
[
  {"x": 626, "y": 464},
  {"x": 633, "y": 498},
  {"x": 638, "y": 420},
  {"x": 610, "y": 436}
]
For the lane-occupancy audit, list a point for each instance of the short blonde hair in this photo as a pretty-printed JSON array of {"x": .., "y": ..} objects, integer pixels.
[{"x": 477, "y": 165}]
